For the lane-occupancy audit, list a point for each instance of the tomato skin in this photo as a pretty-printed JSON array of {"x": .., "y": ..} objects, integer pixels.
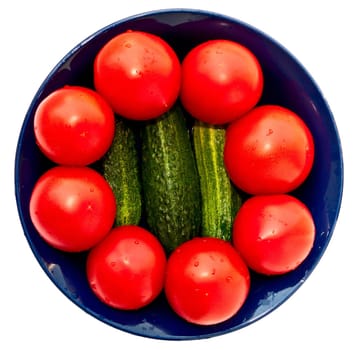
[
  {"x": 139, "y": 74},
  {"x": 72, "y": 208},
  {"x": 206, "y": 281},
  {"x": 269, "y": 150},
  {"x": 74, "y": 126},
  {"x": 126, "y": 270},
  {"x": 221, "y": 80},
  {"x": 273, "y": 233}
]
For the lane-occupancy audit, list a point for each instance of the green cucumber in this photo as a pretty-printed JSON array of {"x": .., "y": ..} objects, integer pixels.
[
  {"x": 171, "y": 189},
  {"x": 220, "y": 199},
  {"x": 121, "y": 170}
]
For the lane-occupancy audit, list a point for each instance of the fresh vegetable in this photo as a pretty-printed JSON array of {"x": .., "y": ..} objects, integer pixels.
[
  {"x": 273, "y": 233},
  {"x": 72, "y": 208},
  {"x": 74, "y": 126},
  {"x": 166, "y": 213},
  {"x": 220, "y": 199},
  {"x": 269, "y": 150},
  {"x": 221, "y": 80},
  {"x": 171, "y": 186},
  {"x": 127, "y": 269},
  {"x": 139, "y": 74},
  {"x": 121, "y": 170},
  {"x": 207, "y": 282}
]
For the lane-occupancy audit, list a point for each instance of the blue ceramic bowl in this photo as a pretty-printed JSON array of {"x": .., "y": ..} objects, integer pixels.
[{"x": 286, "y": 83}]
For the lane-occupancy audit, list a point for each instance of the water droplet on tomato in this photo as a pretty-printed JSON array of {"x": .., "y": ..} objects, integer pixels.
[
  {"x": 269, "y": 132},
  {"x": 136, "y": 242},
  {"x": 196, "y": 263},
  {"x": 229, "y": 279}
]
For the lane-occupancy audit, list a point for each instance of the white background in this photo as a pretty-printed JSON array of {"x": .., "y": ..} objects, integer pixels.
[{"x": 36, "y": 34}]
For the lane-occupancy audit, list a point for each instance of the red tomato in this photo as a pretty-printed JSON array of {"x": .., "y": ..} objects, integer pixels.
[
  {"x": 221, "y": 80},
  {"x": 72, "y": 208},
  {"x": 127, "y": 269},
  {"x": 273, "y": 233},
  {"x": 269, "y": 150},
  {"x": 74, "y": 126},
  {"x": 206, "y": 281},
  {"x": 139, "y": 74}
]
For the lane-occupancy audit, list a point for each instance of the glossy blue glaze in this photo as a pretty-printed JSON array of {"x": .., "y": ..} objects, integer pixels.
[{"x": 286, "y": 83}]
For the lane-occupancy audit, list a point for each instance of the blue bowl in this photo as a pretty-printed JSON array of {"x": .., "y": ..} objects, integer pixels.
[{"x": 287, "y": 83}]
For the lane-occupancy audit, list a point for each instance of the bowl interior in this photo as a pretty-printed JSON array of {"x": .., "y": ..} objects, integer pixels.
[{"x": 286, "y": 83}]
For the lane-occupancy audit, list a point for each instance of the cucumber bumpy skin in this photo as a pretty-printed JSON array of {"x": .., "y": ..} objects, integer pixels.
[
  {"x": 171, "y": 189},
  {"x": 121, "y": 170},
  {"x": 220, "y": 199}
]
